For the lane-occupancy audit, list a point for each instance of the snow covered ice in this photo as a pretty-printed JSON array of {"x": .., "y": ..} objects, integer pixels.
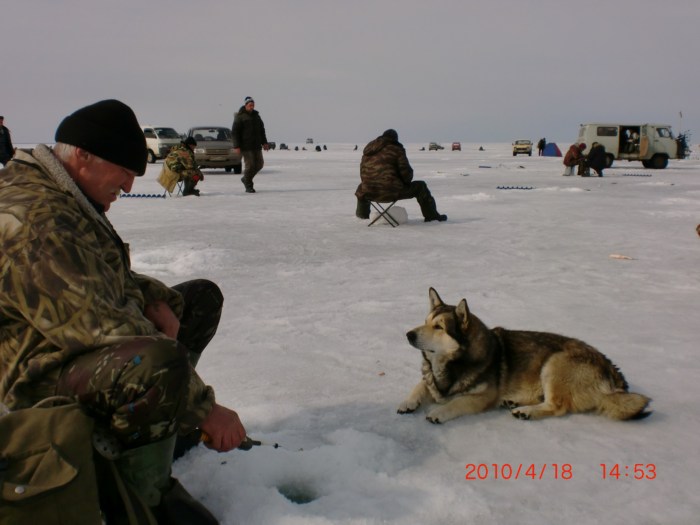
[{"x": 312, "y": 353}]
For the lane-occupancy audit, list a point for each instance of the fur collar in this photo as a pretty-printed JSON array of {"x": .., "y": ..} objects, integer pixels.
[{"x": 58, "y": 174}]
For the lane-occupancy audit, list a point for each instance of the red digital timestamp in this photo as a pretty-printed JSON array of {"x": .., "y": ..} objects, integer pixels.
[
  {"x": 482, "y": 471},
  {"x": 635, "y": 471}
]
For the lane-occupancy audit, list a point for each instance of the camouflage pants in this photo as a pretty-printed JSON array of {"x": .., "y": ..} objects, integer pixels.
[
  {"x": 137, "y": 389},
  {"x": 418, "y": 190},
  {"x": 254, "y": 162}
]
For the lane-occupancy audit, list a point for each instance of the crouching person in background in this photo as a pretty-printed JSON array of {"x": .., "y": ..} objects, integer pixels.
[
  {"x": 180, "y": 165},
  {"x": 76, "y": 321},
  {"x": 574, "y": 159}
]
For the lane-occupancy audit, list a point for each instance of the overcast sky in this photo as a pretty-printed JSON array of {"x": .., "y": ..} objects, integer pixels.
[{"x": 343, "y": 71}]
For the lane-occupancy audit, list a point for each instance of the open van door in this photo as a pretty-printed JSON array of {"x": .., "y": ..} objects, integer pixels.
[{"x": 644, "y": 141}]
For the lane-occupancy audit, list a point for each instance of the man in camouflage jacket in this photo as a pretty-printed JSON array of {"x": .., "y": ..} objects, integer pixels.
[
  {"x": 76, "y": 321},
  {"x": 387, "y": 176},
  {"x": 181, "y": 161}
]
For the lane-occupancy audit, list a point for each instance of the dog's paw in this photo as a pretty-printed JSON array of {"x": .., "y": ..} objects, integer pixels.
[
  {"x": 435, "y": 420},
  {"x": 519, "y": 413},
  {"x": 509, "y": 404},
  {"x": 407, "y": 407}
]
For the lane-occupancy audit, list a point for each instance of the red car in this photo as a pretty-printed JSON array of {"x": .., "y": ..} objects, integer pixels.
[{"x": 456, "y": 146}]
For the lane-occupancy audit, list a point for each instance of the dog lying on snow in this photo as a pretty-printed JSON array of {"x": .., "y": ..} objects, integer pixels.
[{"x": 469, "y": 368}]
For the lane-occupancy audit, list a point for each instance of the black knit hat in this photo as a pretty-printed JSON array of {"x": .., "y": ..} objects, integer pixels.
[
  {"x": 108, "y": 129},
  {"x": 391, "y": 134}
]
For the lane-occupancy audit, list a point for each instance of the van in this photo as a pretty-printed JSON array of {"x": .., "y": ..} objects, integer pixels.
[
  {"x": 159, "y": 141},
  {"x": 652, "y": 144}
]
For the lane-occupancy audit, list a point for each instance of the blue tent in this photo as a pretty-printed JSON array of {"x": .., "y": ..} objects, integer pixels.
[{"x": 551, "y": 150}]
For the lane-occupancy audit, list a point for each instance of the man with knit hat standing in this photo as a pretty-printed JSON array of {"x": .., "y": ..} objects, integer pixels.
[
  {"x": 78, "y": 322},
  {"x": 249, "y": 140}
]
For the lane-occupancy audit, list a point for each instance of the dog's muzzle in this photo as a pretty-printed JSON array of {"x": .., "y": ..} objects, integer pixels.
[{"x": 412, "y": 337}]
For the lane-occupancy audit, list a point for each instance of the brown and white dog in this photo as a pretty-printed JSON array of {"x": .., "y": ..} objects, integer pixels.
[{"x": 469, "y": 368}]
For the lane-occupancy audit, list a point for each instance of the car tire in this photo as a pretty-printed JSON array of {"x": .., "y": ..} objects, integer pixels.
[
  {"x": 151, "y": 158},
  {"x": 659, "y": 162}
]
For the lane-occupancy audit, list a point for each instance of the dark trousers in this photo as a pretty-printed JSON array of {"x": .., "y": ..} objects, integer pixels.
[
  {"x": 137, "y": 388},
  {"x": 418, "y": 190},
  {"x": 254, "y": 162}
]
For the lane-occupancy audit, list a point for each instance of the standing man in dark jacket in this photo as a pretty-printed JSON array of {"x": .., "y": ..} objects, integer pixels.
[
  {"x": 7, "y": 150},
  {"x": 387, "y": 176},
  {"x": 249, "y": 140}
]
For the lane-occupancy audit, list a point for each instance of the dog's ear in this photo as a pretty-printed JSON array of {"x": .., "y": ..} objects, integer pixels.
[
  {"x": 435, "y": 300},
  {"x": 462, "y": 313}
]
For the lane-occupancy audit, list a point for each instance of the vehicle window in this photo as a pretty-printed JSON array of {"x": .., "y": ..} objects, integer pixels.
[
  {"x": 211, "y": 134},
  {"x": 167, "y": 133},
  {"x": 607, "y": 131},
  {"x": 149, "y": 134},
  {"x": 663, "y": 132}
]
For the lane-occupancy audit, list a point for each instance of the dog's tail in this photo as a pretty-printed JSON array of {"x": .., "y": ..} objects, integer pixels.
[{"x": 624, "y": 405}]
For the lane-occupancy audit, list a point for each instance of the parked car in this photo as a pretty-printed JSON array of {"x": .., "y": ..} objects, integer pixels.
[
  {"x": 215, "y": 148},
  {"x": 522, "y": 146},
  {"x": 309, "y": 141},
  {"x": 272, "y": 145},
  {"x": 159, "y": 141},
  {"x": 434, "y": 146},
  {"x": 456, "y": 146},
  {"x": 284, "y": 146}
]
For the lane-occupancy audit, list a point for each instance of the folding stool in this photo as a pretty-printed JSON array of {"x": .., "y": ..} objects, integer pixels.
[
  {"x": 383, "y": 213},
  {"x": 180, "y": 186}
]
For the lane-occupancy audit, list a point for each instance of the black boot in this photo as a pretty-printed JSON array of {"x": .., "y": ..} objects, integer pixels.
[
  {"x": 362, "y": 209},
  {"x": 189, "y": 188},
  {"x": 248, "y": 185},
  {"x": 178, "y": 507}
]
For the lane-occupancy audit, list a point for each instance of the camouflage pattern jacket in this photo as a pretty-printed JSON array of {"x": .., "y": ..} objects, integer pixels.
[
  {"x": 181, "y": 161},
  {"x": 248, "y": 130},
  {"x": 66, "y": 286},
  {"x": 384, "y": 170}
]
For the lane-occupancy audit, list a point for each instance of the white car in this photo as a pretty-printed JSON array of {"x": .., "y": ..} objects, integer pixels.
[{"x": 159, "y": 141}]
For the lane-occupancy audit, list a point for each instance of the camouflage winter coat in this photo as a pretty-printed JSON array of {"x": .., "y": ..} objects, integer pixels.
[
  {"x": 181, "y": 161},
  {"x": 66, "y": 287},
  {"x": 384, "y": 170},
  {"x": 248, "y": 130}
]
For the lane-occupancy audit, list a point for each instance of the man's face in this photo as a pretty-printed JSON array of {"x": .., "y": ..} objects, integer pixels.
[
  {"x": 103, "y": 181},
  {"x": 250, "y": 106}
]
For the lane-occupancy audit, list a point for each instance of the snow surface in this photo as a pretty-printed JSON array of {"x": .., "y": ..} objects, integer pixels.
[{"x": 312, "y": 353}]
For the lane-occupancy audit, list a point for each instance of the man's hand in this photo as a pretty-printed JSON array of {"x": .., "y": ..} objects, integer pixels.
[
  {"x": 266, "y": 146},
  {"x": 224, "y": 429},
  {"x": 163, "y": 318}
]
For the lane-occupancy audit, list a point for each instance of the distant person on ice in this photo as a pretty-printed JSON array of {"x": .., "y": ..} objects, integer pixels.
[
  {"x": 573, "y": 159},
  {"x": 540, "y": 146},
  {"x": 7, "y": 150},
  {"x": 180, "y": 165},
  {"x": 387, "y": 176},
  {"x": 249, "y": 140}
]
